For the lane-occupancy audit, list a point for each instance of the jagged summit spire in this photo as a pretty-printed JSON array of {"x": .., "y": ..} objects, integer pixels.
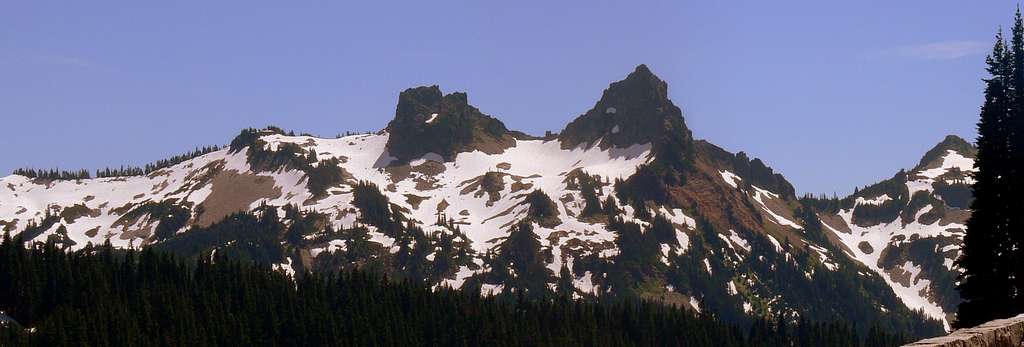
[
  {"x": 641, "y": 84},
  {"x": 631, "y": 111},
  {"x": 417, "y": 101},
  {"x": 634, "y": 110},
  {"x": 428, "y": 121}
]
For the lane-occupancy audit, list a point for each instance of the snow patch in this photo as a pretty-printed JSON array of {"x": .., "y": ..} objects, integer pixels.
[
  {"x": 739, "y": 241},
  {"x": 775, "y": 243},
  {"x": 427, "y": 157},
  {"x": 759, "y": 196},
  {"x": 731, "y": 288},
  {"x": 585, "y": 283},
  {"x": 951, "y": 160},
  {"x": 684, "y": 241},
  {"x": 695, "y": 304},
  {"x": 285, "y": 267},
  {"x": 730, "y": 178},
  {"x": 676, "y": 216},
  {"x": 491, "y": 289},
  {"x": 877, "y": 201}
]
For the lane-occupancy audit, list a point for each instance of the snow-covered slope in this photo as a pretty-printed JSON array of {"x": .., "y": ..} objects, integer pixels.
[
  {"x": 453, "y": 188},
  {"x": 909, "y": 228},
  {"x": 435, "y": 187}
]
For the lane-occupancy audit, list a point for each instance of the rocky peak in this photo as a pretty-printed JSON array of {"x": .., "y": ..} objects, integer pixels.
[
  {"x": 950, "y": 143},
  {"x": 631, "y": 111},
  {"x": 428, "y": 121}
]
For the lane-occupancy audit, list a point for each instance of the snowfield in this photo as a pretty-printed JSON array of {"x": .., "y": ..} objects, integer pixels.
[
  {"x": 866, "y": 243},
  {"x": 533, "y": 164}
]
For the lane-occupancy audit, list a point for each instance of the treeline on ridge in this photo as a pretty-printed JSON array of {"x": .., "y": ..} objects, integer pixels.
[{"x": 123, "y": 171}]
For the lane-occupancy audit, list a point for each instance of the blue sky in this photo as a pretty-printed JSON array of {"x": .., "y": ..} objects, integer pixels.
[{"x": 831, "y": 94}]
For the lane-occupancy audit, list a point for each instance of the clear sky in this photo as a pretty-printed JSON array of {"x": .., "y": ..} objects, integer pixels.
[{"x": 832, "y": 94}]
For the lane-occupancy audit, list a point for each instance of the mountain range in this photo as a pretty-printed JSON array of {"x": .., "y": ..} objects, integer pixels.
[{"x": 623, "y": 202}]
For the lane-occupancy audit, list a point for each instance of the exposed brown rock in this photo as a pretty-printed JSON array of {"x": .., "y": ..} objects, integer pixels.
[
  {"x": 71, "y": 213},
  {"x": 520, "y": 186},
  {"x": 8, "y": 226},
  {"x": 123, "y": 209},
  {"x": 140, "y": 233},
  {"x": 443, "y": 205},
  {"x": 998, "y": 333},
  {"x": 865, "y": 247},
  {"x": 426, "y": 183},
  {"x": 835, "y": 222},
  {"x": 722, "y": 205},
  {"x": 233, "y": 192},
  {"x": 415, "y": 200},
  {"x": 955, "y": 215},
  {"x": 429, "y": 168},
  {"x": 898, "y": 275}
]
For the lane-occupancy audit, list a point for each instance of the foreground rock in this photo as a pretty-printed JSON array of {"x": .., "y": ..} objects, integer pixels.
[{"x": 998, "y": 333}]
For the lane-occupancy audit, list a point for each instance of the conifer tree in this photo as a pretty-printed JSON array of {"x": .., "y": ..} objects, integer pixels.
[
  {"x": 1014, "y": 127},
  {"x": 610, "y": 207},
  {"x": 589, "y": 188},
  {"x": 984, "y": 284},
  {"x": 564, "y": 286},
  {"x": 520, "y": 263}
]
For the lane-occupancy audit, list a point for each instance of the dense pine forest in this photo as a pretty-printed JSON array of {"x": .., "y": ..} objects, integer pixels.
[{"x": 100, "y": 296}]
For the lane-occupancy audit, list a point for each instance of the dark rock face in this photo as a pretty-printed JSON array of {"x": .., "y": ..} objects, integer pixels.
[
  {"x": 635, "y": 110},
  {"x": 426, "y": 121}
]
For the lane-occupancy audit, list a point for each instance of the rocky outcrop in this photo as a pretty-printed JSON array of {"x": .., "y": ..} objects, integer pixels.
[
  {"x": 950, "y": 143},
  {"x": 998, "y": 333},
  {"x": 635, "y": 110},
  {"x": 426, "y": 121},
  {"x": 755, "y": 171}
]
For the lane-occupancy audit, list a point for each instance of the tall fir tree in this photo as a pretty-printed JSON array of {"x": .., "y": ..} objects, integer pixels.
[
  {"x": 565, "y": 288},
  {"x": 984, "y": 284},
  {"x": 1015, "y": 171}
]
